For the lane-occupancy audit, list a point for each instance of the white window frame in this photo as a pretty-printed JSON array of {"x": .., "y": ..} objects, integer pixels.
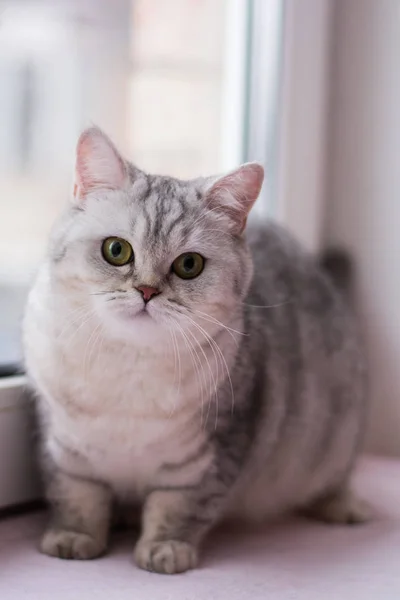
[
  {"x": 301, "y": 139},
  {"x": 308, "y": 29},
  {"x": 18, "y": 478}
]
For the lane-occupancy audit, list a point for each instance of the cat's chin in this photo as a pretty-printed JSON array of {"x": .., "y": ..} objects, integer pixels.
[
  {"x": 140, "y": 326},
  {"x": 140, "y": 319},
  {"x": 130, "y": 315}
]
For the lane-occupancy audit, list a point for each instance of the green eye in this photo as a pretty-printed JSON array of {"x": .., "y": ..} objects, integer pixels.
[
  {"x": 116, "y": 251},
  {"x": 188, "y": 266}
]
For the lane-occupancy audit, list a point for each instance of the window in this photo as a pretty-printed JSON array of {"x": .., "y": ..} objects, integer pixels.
[
  {"x": 169, "y": 81},
  {"x": 184, "y": 87},
  {"x": 156, "y": 75}
]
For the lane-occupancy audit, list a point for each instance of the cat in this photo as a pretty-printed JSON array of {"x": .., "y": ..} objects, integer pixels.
[{"x": 186, "y": 363}]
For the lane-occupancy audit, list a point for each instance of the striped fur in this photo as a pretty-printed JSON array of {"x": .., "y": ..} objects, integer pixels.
[{"x": 239, "y": 394}]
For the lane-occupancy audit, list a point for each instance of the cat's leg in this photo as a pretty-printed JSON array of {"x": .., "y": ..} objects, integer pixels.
[
  {"x": 342, "y": 507},
  {"x": 173, "y": 524},
  {"x": 80, "y": 520}
]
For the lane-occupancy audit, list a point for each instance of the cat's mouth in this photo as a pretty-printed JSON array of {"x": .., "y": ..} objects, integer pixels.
[
  {"x": 138, "y": 312},
  {"x": 130, "y": 313},
  {"x": 143, "y": 312}
]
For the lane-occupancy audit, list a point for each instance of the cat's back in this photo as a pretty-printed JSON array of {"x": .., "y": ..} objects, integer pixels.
[
  {"x": 283, "y": 268},
  {"x": 297, "y": 305},
  {"x": 304, "y": 346}
]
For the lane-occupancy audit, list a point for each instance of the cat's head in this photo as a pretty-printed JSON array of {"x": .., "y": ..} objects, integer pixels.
[{"x": 150, "y": 252}]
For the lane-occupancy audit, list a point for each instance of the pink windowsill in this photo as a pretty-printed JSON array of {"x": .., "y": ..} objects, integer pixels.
[{"x": 296, "y": 560}]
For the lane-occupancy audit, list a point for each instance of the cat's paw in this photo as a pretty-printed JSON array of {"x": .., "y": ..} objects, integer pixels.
[
  {"x": 70, "y": 545},
  {"x": 167, "y": 557},
  {"x": 345, "y": 508}
]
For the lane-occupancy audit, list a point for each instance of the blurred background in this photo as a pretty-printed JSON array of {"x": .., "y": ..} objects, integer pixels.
[
  {"x": 167, "y": 81},
  {"x": 311, "y": 88}
]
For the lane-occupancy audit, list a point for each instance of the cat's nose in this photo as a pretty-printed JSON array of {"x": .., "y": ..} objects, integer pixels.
[{"x": 148, "y": 292}]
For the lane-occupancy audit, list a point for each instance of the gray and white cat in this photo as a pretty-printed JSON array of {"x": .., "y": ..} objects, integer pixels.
[{"x": 183, "y": 367}]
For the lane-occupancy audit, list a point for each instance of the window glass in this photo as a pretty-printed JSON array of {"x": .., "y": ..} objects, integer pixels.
[{"x": 160, "y": 77}]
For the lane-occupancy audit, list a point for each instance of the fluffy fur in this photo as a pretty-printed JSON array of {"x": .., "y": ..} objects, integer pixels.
[{"x": 239, "y": 393}]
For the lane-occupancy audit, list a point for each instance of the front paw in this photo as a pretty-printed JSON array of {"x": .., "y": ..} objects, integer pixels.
[
  {"x": 167, "y": 557},
  {"x": 70, "y": 545}
]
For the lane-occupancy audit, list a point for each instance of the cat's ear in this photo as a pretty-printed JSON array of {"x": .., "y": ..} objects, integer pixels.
[
  {"x": 98, "y": 164},
  {"x": 234, "y": 194}
]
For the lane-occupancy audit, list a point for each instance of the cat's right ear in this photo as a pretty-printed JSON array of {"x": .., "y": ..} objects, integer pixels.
[
  {"x": 233, "y": 195},
  {"x": 98, "y": 165}
]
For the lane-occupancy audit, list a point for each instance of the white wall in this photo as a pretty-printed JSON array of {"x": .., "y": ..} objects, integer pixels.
[
  {"x": 363, "y": 211},
  {"x": 301, "y": 178}
]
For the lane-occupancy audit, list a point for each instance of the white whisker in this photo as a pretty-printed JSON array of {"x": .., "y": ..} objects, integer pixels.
[
  {"x": 177, "y": 360},
  {"x": 212, "y": 319},
  {"x": 81, "y": 311},
  {"x": 91, "y": 337},
  {"x": 85, "y": 319},
  {"x": 268, "y": 305},
  {"x": 213, "y": 378},
  {"x": 218, "y": 349},
  {"x": 193, "y": 355}
]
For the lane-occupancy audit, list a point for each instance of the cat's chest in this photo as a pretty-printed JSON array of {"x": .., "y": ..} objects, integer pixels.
[
  {"x": 99, "y": 378},
  {"x": 119, "y": 414},
  {"x": 129, "y": 454}
]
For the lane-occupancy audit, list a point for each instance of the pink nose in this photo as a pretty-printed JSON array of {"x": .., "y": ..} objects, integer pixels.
[{"x": 148, "y": 292}]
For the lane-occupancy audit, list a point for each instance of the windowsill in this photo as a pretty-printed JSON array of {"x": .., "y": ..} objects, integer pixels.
[
  {"x": 18, "y": 477},
  {"x": 12, "y": 393},
  {"x": 286, "y": 560}
]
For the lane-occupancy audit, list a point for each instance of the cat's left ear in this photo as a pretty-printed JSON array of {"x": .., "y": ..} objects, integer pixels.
[
  {"x": 98, "y": 164},
  {"x": 233, "y": 195}
]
